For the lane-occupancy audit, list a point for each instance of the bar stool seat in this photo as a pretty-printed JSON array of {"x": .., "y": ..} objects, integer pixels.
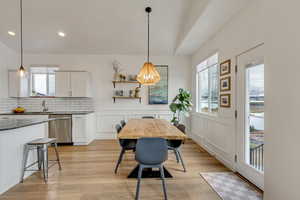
[{"x": 41, "y": 145}]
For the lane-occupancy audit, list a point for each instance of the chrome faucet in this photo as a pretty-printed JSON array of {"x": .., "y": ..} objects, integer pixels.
[{"x": 45, "y": 109}]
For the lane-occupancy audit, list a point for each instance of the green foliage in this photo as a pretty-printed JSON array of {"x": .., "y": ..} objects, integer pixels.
[{"x": 181, "y": 105}]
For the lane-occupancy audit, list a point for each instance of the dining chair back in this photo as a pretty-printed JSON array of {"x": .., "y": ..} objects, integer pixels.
[
  {"x": 151, "y": 153},
  {"x": 123, "y": 123},
  {"x": 148, "y": 117}
]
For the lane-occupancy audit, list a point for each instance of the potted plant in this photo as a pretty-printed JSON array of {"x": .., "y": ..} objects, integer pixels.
[{"x": 181, "y": 105}]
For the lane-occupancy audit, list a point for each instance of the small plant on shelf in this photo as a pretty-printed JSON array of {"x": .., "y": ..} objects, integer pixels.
[{"x": 181, "y": 105}]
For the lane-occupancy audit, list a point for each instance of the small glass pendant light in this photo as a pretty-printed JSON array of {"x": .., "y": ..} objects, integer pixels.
[
  {"x": 148, "y": 74},
  {"x": 22, "y": 71}
]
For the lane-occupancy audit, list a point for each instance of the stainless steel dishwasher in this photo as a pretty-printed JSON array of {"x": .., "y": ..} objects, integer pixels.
[{"x": 61, "y": 129}]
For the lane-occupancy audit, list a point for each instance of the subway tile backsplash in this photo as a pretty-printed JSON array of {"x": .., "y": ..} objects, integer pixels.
[
  {"x": 7, "y": 104},
  {"x": 53, "y": 104}
]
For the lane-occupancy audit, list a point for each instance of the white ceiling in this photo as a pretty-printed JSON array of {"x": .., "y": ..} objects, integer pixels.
[{"x": 110, "y": 26}]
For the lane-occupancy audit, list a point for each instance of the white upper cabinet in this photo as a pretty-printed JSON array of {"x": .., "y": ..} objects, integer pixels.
[
  {"x": 62, "y": 84},
  {"x": 80, "y": 84},
  {"x": 72, "y": 84},
  {"x": 17, "y": 86}
]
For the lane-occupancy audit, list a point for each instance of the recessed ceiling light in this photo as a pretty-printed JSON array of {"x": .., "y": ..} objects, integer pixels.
[
  {"x": 11, "y": 33},
  {"x": 61, "y": 34}
]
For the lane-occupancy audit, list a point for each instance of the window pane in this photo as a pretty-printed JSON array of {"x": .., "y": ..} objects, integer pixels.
[
  {"x": 204, "y": 91},
  {"x": 214, "y": 89},
  {"x": 39, "y": 87}
]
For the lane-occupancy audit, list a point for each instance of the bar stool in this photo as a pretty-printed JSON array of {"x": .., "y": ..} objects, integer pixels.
[{"x": 41, "y": 145}]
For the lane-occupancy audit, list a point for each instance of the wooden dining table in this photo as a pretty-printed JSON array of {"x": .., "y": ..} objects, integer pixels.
[{"x": 158, "y": 128}]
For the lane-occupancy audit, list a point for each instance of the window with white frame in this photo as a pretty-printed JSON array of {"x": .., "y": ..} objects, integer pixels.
[
  {"x": 208, "y": 85},
  {"x": 43, "y": 81}
]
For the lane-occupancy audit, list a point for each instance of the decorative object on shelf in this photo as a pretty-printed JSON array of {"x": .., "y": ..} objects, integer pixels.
[
  {"x": 181, "y": 105},
  {"x": 225, "y": 100},
  {"x": 225, "y": 84},
  {"x": 225, "y": 67},
  {"x": 158, "y": 93},
  {"x": 148, "y": 74},
  {"x": 132, "y": 77},
  {"x": 22, "y": 71},
  {"x": 116, "y": 67},
  {"x": 137, "y": 92},
  {"x": 119, "y": 93},
  {"x": 131, "y": 93},
  {"x": 122, "y": 77}
]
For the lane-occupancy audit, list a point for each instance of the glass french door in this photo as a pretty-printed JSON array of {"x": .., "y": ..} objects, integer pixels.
[{"x": 250, "y": 118}]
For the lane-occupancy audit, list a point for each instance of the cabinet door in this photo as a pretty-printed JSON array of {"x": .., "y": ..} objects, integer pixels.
[
  {"x": 79, "y": 130},
  {"x": 80, "y": 84},
  {"x": 62, "y": 84}
]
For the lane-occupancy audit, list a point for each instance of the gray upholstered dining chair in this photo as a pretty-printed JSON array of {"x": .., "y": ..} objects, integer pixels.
[
  {"x": 148, "y": 117},
  {"x": 151, "y": 153},
  {"x": 126, "y": 145},
  {"x": 123, "y": 123}
]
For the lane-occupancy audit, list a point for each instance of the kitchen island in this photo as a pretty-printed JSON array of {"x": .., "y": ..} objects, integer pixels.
[{"x": 14, "y": 134}]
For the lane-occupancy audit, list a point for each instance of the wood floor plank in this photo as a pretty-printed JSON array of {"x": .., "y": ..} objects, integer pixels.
[{"x": 88, "y": 175}]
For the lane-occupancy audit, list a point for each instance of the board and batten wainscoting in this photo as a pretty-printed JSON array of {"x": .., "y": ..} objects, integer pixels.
[
  {"x": 107, "y": 119},
  {"x": 215, "y": 134}
]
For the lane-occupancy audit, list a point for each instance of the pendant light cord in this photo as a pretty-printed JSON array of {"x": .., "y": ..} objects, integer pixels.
[
  {"x": 148, "y": 37},
  {"x": 21, "y": 30}
]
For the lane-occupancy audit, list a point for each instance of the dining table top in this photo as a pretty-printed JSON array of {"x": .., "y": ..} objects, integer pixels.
[{"x": 138, "y": 128}]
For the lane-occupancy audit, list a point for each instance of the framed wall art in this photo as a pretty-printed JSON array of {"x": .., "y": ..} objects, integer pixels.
[
  {"x": 158, "y": 93},
  {"x": 225, "y": 100},
  {"x": 225, "y": 67},
  {"x": 225, "y": 84}
]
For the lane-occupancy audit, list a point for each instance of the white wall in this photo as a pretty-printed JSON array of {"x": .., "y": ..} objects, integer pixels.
[
  {"x": 217, "y": 133},
  {"x": 282, "y": 172},
  {"x": 8, "y": 59},
  {"x": 100, "y": 66}
]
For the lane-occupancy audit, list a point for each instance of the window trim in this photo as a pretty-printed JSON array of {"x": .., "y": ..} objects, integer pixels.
[{"x": 198, "y": 110}]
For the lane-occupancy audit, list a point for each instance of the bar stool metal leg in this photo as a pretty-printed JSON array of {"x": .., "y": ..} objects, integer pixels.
[
  {"x": 25, "y": 157},
  {"x": 57, "y": 155},
  {"x": 39, "y": 157}
]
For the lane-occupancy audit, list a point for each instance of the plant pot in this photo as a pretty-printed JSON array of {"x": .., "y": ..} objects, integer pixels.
[{"x": 181, "y": 127}]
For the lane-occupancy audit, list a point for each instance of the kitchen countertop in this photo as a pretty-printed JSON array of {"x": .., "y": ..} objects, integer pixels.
[
  {"x": 10, "y": 124},
  {"x": 51, "y": 113}
]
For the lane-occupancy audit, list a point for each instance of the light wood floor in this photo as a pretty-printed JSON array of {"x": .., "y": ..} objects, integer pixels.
[{"x": 88, "y": 175}]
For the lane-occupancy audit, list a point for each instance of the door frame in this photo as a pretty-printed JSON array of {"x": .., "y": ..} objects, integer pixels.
[{"x": 250, "y": 173}]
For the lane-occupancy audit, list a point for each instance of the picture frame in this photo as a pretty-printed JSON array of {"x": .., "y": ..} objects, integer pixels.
[
  {"x": 225, "y": 67},
  {"x": 158, "y": 93},
  {"x": 225, "y": 84},
  {"x": 225, "y": 100}
]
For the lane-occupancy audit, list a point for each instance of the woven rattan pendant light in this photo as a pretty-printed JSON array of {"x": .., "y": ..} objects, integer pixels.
[{"x": 148, "y": 74}]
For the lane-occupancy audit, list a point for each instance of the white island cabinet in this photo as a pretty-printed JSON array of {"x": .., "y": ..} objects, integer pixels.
[
  {"x": 11, "y": 153},
  {"x": 83, "y": 129},
  {"x": 72, "y": 84}
]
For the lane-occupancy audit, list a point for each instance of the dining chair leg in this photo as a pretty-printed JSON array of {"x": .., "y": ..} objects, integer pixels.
[
  {"x": 176, "y": 154},
  {"x": 120, "y": 160},
  {"x": 57, "y": 155},
  {"x": 162, "y": 175},
  {"x": 43, "y": 163},
  {"x": 139, "y": 182},
  {"x": 180, "y": 157}
]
